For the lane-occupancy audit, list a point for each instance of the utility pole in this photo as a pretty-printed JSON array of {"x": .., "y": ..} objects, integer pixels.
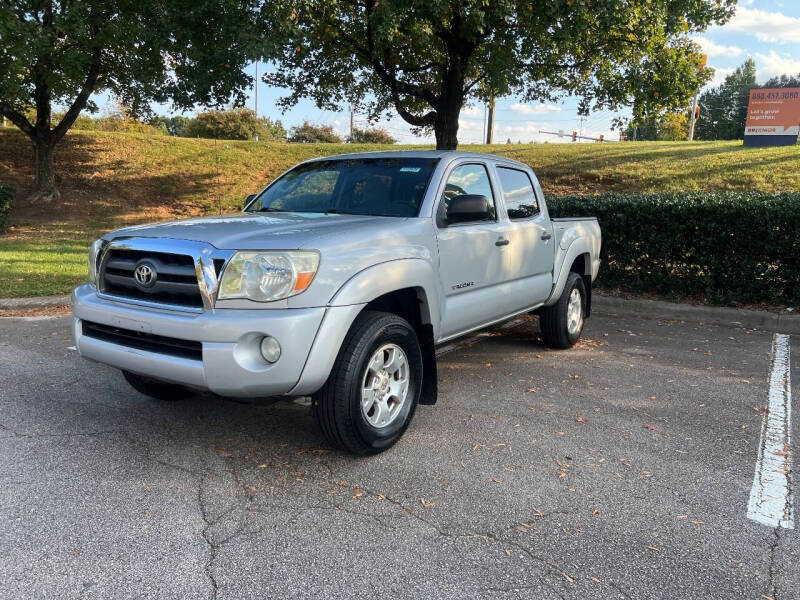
[
  {"x": 256, "y": 95},
  {"x": 580, "y": 127},
  {"x": 352, "y": 113},
  {"x": 490, "y": 123},
  {"x": 693, "y": 117}
]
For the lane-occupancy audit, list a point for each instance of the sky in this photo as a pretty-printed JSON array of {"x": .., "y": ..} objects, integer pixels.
[{"x": 766, "y": 30}]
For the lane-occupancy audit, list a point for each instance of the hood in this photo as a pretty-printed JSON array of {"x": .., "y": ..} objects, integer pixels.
[{"x": 243, "y": 231}]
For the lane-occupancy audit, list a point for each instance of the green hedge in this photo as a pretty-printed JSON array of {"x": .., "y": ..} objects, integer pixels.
[
  {"x": 731, "y": 247},
  {"x": 7, "y": 194}
]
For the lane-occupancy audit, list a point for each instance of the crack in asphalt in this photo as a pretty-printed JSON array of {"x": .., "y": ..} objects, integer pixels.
[
  {"x": 209, "y": 566},
  {"x": 489, "y": 536}
]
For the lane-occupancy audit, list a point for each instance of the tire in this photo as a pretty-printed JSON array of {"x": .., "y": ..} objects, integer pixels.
[
  {"x": 157, "y": 389},
  {"x": 557, "y": 322},
  {"x": 377, "y": 343}
]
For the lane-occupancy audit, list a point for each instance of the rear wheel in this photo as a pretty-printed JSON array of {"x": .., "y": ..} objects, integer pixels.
[
  {"x": 374, "y": 386},
  {"x": 562, "y": 323},
  {"x": 154, "y": 388}
]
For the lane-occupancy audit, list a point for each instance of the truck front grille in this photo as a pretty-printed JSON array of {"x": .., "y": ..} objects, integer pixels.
[
  {"x": 175, "y": 277},
  {"x": 143, "y": 341}
]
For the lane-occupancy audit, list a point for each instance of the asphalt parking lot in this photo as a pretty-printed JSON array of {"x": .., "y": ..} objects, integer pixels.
[{"x": 619, "y": 469}]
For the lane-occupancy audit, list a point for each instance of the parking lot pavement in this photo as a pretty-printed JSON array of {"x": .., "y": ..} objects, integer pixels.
[{"x": 619, "y": 469}]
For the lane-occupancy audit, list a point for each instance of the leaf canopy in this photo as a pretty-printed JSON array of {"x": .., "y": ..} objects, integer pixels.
[{"x": 426, "y": 58}]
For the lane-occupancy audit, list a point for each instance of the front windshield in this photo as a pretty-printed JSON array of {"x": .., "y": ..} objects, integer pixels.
[{"x": 389, "y": 187}]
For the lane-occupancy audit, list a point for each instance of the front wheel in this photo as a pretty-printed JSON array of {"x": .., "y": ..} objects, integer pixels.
[
  {"x": 562, "y": 323},
  {"x": 374, "y": 387}
]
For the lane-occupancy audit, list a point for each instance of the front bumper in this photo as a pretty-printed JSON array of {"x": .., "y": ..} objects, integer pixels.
[{"x": 231, "y": 364}]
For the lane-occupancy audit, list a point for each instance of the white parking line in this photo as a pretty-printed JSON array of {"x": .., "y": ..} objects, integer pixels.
[{"x": 771, "y": 499}]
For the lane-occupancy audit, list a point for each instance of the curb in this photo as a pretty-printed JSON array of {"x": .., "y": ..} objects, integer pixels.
[
  {"x": 709, "y": 315},
  {"x": 34, "y": 302}
]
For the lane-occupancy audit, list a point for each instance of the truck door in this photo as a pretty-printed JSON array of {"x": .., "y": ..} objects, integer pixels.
[
  {"x": 470, "y": 253},
  {"x": 528, "y": 260}
]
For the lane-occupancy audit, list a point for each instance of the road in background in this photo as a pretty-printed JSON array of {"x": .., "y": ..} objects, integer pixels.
[{"x": 619, "y": 469}]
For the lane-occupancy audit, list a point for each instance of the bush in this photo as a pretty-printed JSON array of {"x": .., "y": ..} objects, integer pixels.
[
  {"x": 729, "y": 247},
  {"x": 235, "y": 124},
  {"x": 371, "y": 136},
  {"x": 7, "y": 194},
  {"x": 175, "y": 125},
  {"x": 314, "y": 134}
]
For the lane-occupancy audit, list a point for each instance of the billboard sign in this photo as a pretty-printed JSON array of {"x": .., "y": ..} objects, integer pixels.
[{"x": 773, "y": 117}]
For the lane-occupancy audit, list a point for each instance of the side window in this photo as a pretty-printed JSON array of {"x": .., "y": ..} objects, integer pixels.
[
  {"x": 468, "y": 180},
  {"x": 518, "y": 193}
]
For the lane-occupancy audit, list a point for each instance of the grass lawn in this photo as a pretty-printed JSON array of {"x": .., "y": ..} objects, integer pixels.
[{"x": 109, "y": 180}]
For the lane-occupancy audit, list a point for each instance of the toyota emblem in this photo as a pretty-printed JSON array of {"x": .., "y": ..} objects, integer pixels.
[{"x": 145, "y": 274}]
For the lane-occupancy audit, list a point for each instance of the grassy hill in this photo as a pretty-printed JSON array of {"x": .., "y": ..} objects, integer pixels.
[{"x": 113, "y": 179}]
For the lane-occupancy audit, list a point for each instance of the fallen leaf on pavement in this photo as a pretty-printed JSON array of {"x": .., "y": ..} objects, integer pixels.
[
  {"x": 650, "y": 427},
  {"x": 426, "y": 503},
  {"x": 653, "y": 548}
]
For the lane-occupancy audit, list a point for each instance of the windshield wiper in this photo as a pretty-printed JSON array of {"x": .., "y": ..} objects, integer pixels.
[{"x": 339, "y": 211}]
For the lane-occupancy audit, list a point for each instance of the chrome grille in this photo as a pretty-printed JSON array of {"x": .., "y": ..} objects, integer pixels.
[{"x": 175, "y": 283}]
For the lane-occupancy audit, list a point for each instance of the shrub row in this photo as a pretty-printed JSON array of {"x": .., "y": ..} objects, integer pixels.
[
  {"x": 731, "y": 247},
  {"x": 7, "y": 194}
]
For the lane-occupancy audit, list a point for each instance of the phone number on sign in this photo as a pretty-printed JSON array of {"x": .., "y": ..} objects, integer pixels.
[{"x": 776, "y": 95}]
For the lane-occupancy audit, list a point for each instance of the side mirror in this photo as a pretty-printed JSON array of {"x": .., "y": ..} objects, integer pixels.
[
  {"x": 248, "y": 200},
  {"x": 468, "y": 207}
]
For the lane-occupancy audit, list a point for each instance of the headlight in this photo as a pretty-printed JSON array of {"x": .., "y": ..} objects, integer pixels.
[
  {"x": 268, "y": 276},
  {"x": 95, "y": 250}
]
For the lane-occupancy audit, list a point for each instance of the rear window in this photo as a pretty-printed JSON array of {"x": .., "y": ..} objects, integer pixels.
[
  {"x": 518, "y": 193},
  {"x": 390, "y": 187}
]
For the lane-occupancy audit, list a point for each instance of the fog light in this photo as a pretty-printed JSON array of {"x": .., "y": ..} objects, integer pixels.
[{"x": 270, "y": 349}]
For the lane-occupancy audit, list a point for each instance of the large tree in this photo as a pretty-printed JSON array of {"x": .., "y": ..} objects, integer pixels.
[
  {"x": 426, "y": 58},
  {"x": 723, "y": 109},
  {"x": 59, "y": 52}
]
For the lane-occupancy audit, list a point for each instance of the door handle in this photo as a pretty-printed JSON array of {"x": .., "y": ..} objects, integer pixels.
[
  {"x": 502, "y": 242},
  {"x": 546, "y": 236}
]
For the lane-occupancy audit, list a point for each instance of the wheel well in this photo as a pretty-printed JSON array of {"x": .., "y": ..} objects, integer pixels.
[
  {"x": 582, "y": 265},
  {"x": 409, "y": 303},
  {"x": 412, "y": 304}
]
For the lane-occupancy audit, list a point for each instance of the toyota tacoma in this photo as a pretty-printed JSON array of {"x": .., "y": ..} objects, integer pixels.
[{"x": 337, "y": 281}]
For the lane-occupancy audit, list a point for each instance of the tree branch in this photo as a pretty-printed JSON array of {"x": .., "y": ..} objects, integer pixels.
[
  {"x": 17, "y": 118},
  {"x": 80, "y": 100}
]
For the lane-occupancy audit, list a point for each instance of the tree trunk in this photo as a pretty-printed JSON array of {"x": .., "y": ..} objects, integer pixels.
[
  {"x": 446, "y": 130},
  {"x": 46, "y": 189}
]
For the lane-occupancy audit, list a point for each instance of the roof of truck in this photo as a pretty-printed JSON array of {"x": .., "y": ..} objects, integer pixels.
[{"x": 449, "y": 154}]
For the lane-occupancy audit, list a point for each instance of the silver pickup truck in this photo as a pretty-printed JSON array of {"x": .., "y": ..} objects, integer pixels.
[{"x": 337, "y": 281}]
